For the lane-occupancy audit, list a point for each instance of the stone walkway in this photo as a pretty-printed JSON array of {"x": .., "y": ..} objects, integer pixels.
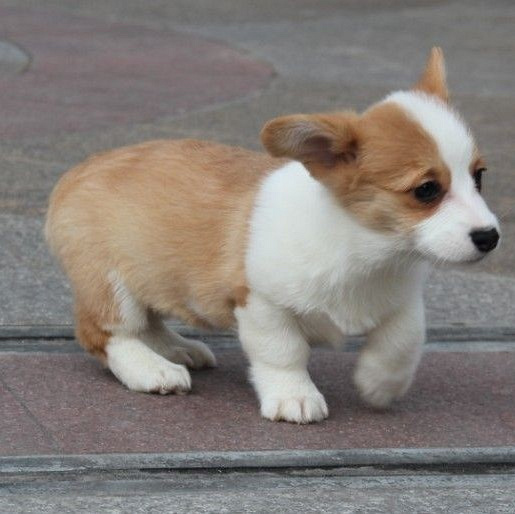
[
  {"x": 462, "y": 398},
  {"x": 80, "y": 77}
]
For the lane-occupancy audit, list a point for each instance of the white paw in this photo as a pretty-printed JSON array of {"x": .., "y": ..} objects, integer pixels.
[
  {"x": 296, "y": 409},
  {"x": 195, "y": 354},
  {"x": 143, "y": 370},
  {"x": 379, "y": 386},
  {"x": 165, "y": 379},
  {"x": 288, "y": 394}
]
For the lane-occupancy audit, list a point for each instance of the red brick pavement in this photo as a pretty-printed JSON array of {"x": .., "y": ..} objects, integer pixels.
[{"x": 66, "y": 403}]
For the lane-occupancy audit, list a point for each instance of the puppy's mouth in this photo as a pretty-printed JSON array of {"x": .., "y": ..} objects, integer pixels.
[
  {"x": 475, "y": 259},
  {"x": 452, "y": 260}
]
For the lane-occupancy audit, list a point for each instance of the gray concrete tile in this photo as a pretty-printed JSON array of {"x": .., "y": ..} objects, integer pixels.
[
  {"x": 335, "y": 56},
  {"x": 265, "y": 491},
  {"x": 87, "y": 72}
]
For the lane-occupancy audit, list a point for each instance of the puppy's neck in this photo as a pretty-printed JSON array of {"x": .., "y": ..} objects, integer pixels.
[{"x": 316, "y": 236}]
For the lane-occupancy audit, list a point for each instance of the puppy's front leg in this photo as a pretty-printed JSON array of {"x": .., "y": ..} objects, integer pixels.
[
  {"x": 278, "y": 354},
  {"x": 390, "y": 358}
]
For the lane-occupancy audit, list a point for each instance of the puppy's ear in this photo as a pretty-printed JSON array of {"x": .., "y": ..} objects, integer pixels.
[
  {"x": 320, "y": 141},
  {"x": 433, "y": 79}
]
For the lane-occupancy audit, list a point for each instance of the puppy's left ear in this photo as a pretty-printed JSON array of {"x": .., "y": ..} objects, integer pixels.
[
  {"x": 320, "y": 141},
  {"x": 433, "y": 80}
]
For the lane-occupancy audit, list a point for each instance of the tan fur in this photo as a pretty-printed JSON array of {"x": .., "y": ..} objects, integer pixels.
[
  {"x": 389, "y": 169},
  {"x": 89, "y": 331},
  {"x": 372, "y": 173},
  {"x": 319, "y": 140},
  {"x": 433, "y": 80},
  {"x": 170, "y": 217}
]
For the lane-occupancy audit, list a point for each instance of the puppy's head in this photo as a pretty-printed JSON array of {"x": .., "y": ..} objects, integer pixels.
[{"x": 407, "y": 166}]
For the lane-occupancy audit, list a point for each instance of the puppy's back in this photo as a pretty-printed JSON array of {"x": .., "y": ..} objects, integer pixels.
[{"x": 170, "y": 217}]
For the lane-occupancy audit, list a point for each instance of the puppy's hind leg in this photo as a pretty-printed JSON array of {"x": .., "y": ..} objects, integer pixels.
[
  {"x": 142, "y": 369},
  {"x": 111, "y": 328},
  {"x": 176, "y": 348}
]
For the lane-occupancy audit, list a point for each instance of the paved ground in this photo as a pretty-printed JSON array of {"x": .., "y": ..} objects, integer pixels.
[
  {"x": 312, "y": 491},
  {"x": 79, "y": 77},
  {"x": 40, "y": 419},
  {"x": 84, "y": 76}
]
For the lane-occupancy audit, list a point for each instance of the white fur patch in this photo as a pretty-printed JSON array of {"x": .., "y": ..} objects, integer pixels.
[
  {"x": 147, "y": 357},
  {"x": 278, "y": 353},
  {"x": 315, "y": 272},
  {"x": 176, "y": 348},
  {"x": 446, "y": 234},
  {"x": 132, "y": 313},
  {"x": 141, "y": 369},
  {"x": 453, "y": 138},
  {"x": 307, "y": 254}
]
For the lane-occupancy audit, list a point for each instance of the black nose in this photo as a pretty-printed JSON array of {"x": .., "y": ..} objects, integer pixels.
[{"x": 485, "y": 240}]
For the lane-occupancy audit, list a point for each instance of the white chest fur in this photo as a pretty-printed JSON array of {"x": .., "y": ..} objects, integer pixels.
[{"x": 308, "y": 255}]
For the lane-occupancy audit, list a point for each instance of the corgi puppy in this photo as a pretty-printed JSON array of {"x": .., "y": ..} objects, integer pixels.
[{"x": 331, "y": 234}]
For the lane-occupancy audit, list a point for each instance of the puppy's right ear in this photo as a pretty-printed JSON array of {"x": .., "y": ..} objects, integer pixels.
[{"x": 320, "y": 141}]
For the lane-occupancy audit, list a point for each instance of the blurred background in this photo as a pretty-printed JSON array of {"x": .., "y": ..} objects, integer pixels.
[{"x": 79, "y": 77}]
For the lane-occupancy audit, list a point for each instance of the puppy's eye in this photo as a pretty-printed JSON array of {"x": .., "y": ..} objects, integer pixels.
[
  {"x": 478, "y": 175},
  {"x": 428, "y": 191}
]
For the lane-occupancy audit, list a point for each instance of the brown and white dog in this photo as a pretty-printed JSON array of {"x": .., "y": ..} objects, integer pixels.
[{"x": 330, "y": 236}]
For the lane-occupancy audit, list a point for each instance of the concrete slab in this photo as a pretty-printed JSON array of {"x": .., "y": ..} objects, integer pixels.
[
  {"x": 15, "y": 416},
  {"x": 12, "y": 59},
  {"x": 86, "y": 73},
  {"x": 310, "y": 491},
  {"x": 338, "y": 55},
  {"x": 458, "y": 400}
]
